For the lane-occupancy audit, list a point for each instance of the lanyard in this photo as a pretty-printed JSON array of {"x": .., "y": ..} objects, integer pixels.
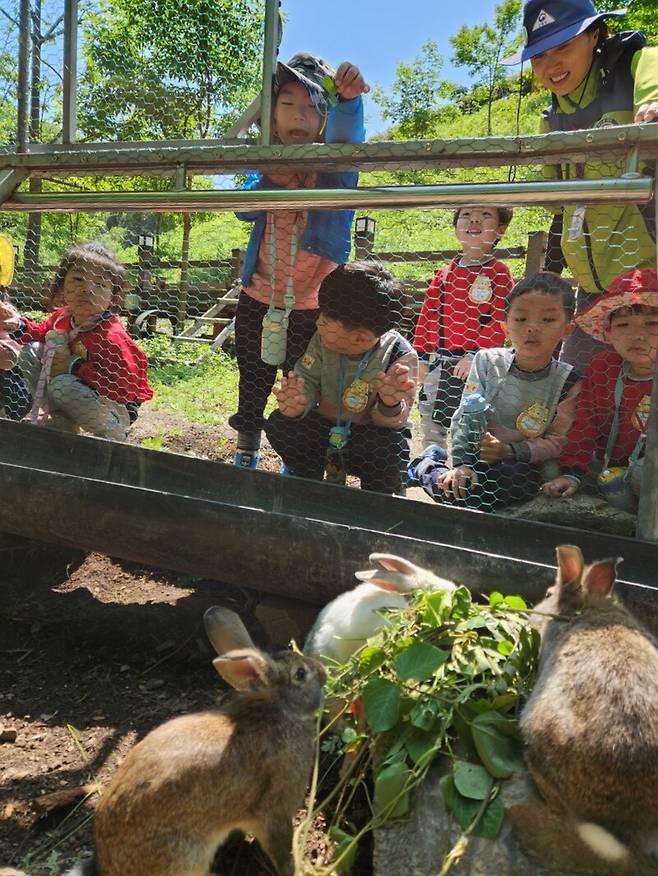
[
  {"x": 289, "y": 297},
  {"x": 614, "y": 429}
]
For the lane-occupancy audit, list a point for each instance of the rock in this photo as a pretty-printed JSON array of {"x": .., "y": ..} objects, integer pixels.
[
  {"x": 582, "y": 511},
  {"x": 533, "y": 840},
  {"x": 8, "y": 734}
]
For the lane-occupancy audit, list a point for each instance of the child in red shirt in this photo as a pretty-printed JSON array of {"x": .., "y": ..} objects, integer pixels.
[
  {"x": 613, "y": 407},
  {"x": 81, "y": 364},
  {"x": 463, "y": 312}
]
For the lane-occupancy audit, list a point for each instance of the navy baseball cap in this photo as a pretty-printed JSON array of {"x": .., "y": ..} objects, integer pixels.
[{"x": 550, "y": 23}]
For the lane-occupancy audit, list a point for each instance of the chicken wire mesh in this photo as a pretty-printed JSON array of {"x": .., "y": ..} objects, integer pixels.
[{"x": 449, "y": 381}]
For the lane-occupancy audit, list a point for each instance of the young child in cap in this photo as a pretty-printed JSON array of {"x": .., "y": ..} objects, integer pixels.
[
  {"x": 15, "y": 397},
  {"x": 516, "y": 409},
  {"x": 596, "y": 80},
  {"x": 291, "y": 252},
  {"x": 613, "y": 406},
  {"x": 344, "y": 409},
  {"x": 463, "y": 311}
]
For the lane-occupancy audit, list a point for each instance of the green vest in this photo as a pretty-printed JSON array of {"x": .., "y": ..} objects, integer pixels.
[{"x": 608, "y": 239}]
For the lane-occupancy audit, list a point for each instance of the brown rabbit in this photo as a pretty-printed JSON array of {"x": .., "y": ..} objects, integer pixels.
[
  {"x": 591, "y": 723},
  {"x": 192, "y": 781}
]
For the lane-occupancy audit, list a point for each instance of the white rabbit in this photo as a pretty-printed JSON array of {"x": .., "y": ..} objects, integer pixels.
[{"x": 345, "y": 624}]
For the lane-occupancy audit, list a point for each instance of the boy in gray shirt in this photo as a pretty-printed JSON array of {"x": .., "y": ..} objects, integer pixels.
[
  {"x": 528, "y": 398},
  {"x": 344, "y": 408}
]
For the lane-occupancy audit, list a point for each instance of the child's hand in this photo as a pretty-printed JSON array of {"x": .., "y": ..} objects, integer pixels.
[
  {"x": 457, "y": 482},
  {"x": 560, "y": 488},
  {"x": 290, "y": 395},
  {"x": 393, "y": 385},
  {"x": 349, "y": 81},
  {"x": 8, "y": 355},
  {"x": 61, "y": 363},
  {"x": 9, "y": 317},
  {"x": 648, "y": 112},
  {"x": 463, "y": 367},
  {"x": 491, "y": 449}
]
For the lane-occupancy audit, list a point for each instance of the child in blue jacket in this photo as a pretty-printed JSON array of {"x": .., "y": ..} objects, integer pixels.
[{"x": 291, "y": 252}]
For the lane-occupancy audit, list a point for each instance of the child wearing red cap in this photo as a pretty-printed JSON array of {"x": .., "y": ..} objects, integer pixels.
[{"x": 613, "y": 406}]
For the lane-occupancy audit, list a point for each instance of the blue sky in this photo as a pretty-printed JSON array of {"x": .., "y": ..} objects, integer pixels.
[{"x": 378, "y": 34}]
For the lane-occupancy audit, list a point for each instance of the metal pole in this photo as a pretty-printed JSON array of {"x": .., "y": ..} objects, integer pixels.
[
  {"x": 9, "y": 182},
  {"x": 69, "y": 102},
  {"x": 600, "y": 191},
  {"x": 23, "y": 95},
  {"x": 647, "y": 515},
  {"x": 270, "y": 50}
]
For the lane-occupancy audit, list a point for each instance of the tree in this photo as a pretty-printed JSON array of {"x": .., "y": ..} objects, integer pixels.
[
  {"x": 416, "y": 93},
  {"x": 482, "y": 48},
  {"x": 156, "y": 69},
  {"x": 641, "y": 16}
]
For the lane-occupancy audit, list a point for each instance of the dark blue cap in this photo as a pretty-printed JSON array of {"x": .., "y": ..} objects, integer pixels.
[{"x": 550, "y": 23}]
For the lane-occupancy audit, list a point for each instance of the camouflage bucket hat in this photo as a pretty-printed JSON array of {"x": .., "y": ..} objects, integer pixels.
[{"x": 310, "y": 71}]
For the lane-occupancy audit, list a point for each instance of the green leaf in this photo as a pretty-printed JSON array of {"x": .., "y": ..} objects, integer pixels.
[
  {"x": 419, "y": 661},
  {"x": 505, "y": 647},
  {"x": 381, "y": 700},
  {"x": 492, "y": 820},
  {"x": 344, "y": 841},
  {"x": 370, "y": 658},
  {"x": 423, "y": 716},
  {"x": 420, "y": 744},
  {"x": 515, "y": 602},
  {"x": 463, "y": 810},
  {"x": 495, "y": 598},
  {"x": 471, "y": 780},
  {"x": 496, "y": 740},
  {"x": 391, "y": 798}
]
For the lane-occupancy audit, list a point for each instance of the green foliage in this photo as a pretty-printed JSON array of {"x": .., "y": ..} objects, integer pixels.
[
  {"x": 442, "y": 678},
  {"x": 482, "y": 48},
  {"x": 641, "y": 16},
  {"x": 168, "y": 70}
]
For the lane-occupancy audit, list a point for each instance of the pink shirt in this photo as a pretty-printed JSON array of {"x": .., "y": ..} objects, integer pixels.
[{"x": 308, "y": 270}]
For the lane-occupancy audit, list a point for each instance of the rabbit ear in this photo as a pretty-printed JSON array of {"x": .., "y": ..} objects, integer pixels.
[
  {"x": 599, "y": 578},
  {"x": 225, "y": 630},
  {"x": 570, "y": 563},
  {"x": 398, "y": 575},
  {"x": 243, "y": 670},
  {"x": 394, "y": 564}
]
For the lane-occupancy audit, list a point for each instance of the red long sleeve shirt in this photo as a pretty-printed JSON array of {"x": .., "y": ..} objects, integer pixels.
[
  {"x": 588, "y": 437},
  {"x": 109, "y": 361},
  {"x": 464, "y": 307}
]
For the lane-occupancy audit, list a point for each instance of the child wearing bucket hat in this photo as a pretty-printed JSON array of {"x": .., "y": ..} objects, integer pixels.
[
  {"x": 14, "y": 393},
  {"x": 290, "y": 252},
  {"x": 613, "y": 406},
  {"x": 595, "y": 80}
]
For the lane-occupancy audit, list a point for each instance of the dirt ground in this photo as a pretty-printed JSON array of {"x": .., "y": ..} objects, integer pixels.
[{"x": 94, "y": 652}]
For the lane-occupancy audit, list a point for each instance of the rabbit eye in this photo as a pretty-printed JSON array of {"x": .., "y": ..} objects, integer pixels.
[{"x": 300, "y": 675}]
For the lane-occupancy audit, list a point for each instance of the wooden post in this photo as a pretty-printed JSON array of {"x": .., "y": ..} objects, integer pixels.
[
  {"x": 145, "y": 257},
  {"x": 534, "y": 258},
  {"x": 184, "y": 284},
  {"x": 364, "y": 237}
]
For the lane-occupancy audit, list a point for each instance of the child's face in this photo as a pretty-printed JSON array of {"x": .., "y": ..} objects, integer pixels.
[
  {"x": 87, "y": 291},
  {"x": 563, "y": 68},
  {"x": 338, "y": 339},
  {"x": 478, "y": 229},
  {"x": 635, "y": 337},
  {"x": 536, "y": 323},
  {"x": 296, "y": 120}
]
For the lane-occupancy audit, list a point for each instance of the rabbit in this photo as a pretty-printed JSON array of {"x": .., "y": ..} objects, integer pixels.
[
  {"x": 195, "y": 779},
  {"x": 590, "y": 725},
  {"x": 345, "y": 624}
]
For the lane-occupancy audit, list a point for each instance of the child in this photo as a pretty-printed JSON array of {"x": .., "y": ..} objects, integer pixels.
[
  {"x": 595, "y": 81},
  {"x": 80, "y": 362},
  {"x": 290, "y": 253},
  {"x": 527, "y": 396},
  {"x": 463, "y": 311},
  {"x": 613, "y": 407},
  {"x": 14, "y": 393},
  {"x": 344, "y": 408}
]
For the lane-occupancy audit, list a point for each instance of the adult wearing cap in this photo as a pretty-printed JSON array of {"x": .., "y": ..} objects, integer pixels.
[{"x": 596, "y": 81}]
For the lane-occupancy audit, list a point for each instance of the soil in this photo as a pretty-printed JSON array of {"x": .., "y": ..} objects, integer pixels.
[{"x": 95, "y": 652}]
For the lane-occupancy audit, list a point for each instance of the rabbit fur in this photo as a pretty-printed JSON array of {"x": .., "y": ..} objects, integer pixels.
[
  {"x": 345, "y": 624},
  {"x": 195, "y": 779},
  {"x": 590, "y": 725}
]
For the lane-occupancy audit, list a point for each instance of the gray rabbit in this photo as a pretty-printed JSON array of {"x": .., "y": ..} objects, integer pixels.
[
  {"x": 591, "y": 724},
  {"x": 192, "y": 781}
]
